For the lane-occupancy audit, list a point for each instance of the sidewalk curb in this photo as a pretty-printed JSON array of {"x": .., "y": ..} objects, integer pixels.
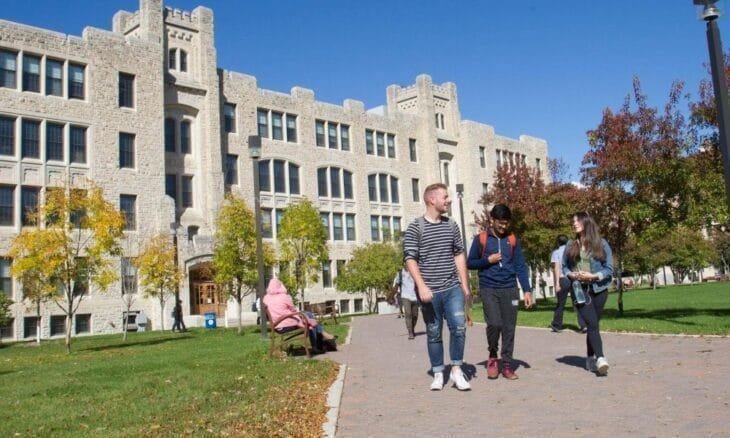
[{"x": 334, "y": 397}]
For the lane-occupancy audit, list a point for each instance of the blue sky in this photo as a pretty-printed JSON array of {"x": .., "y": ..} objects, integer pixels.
[{"x": 538, "y": 67}]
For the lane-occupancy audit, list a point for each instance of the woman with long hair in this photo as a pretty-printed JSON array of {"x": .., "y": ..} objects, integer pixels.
[{"x": 588, "y": 263}]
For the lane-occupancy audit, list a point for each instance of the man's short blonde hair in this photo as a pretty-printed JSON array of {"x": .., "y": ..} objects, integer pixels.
[{"x": 432, "y": 188}]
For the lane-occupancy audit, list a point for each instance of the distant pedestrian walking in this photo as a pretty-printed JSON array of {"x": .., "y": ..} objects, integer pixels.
[
  {"x": 588, "y": 263},
  {"x": 406, "y": 289},
  {"x": 177, "y": 316},
  {"x": 562, "y": 288},
  {"x": 434, "y": 256},
  {"x": 497, "y": 254}
]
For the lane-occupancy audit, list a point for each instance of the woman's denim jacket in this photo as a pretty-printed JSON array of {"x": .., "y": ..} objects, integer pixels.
[{"x": 604, "y": 269}]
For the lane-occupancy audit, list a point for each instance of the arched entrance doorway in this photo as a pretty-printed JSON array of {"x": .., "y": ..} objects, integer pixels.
[{"x": 205, "y": 294}]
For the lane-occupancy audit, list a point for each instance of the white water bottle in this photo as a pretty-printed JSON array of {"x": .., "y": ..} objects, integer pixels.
[{"x": 580, "y": 296}]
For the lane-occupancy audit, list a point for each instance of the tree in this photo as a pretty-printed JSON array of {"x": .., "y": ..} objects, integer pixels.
[
  {"x": 5, "y": 303},
  {"x": 37, "y": 290},
  {"x": 690, "y": 251},
  {"x": 303, "y": 244},
  {"x": 234, "y": 256},
  {"x": 371, "y": 270},
  {"x": 79, "y": 230},
  {"x": 128, "y": 285},
  {"x": 160, "y": 275}
]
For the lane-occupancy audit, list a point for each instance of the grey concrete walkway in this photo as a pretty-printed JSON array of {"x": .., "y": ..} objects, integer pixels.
[{"x": 657, "y": 386}]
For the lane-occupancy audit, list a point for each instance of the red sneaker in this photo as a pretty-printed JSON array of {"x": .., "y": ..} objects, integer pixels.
[
  {"x": 507, "y": 372},
  {"x": 493, "y": 368}
]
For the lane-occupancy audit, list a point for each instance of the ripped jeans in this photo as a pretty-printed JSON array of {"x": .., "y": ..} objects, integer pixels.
[{"x": 449, "y": 305}]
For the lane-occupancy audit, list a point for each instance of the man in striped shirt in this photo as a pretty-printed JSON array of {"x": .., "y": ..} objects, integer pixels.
[{"x": 434, "y": 255}]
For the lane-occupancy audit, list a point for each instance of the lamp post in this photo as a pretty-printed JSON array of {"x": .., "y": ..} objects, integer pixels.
[
  {"x": 460, "y": 195},
  {"x": 254, "y": 151},
  {"x": 174, "y": 226},
  {"x": 710, "y": 13}
]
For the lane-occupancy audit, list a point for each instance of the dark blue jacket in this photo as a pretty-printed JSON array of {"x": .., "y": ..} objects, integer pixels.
[{"x": 512, "y": 267}]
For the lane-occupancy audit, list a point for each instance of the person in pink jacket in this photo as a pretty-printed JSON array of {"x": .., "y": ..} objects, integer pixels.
[{"x": 279, "y": 303}]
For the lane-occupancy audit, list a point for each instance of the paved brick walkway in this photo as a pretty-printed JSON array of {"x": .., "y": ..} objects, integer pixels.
[{"x": 657, "y": 386}]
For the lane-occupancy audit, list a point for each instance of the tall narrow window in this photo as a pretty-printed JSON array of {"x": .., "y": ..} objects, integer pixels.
[
  {"x": 126, "y": 150},
  {"x": 187, "y": 190},
  {"x": 344, "y": 137},
  {"x": 231, "y": 169},
  {"x": 7, "y": 205},
  {"x": 78, "y": 215},
  {"x": 279, "y": 176},
  {"x": 293, "y": 179},
  {"x": 128, "y": 208},
  {"x": 347, "y": 184},
  {"x": 172, "y": 59},
  {"x": 54, "y": 77},
  {"x": 277, "y": 128},
  {"x": 31, "y": 139},
  {"x": 78, "y": 144},
  {"x": 291, "y": 128},
  {"x": 322, "y": 182},
  {"x": 374, "y": 228},
  {"x": 391, "y": 146},
  {"x": 383, "y": 186},
  {"x": 337, "y": 226},
  {"x": 482, "y": 157},
  {"x": 262, "y": 117},
  {"x": 266, "y": 223},
  {"x": 126, "y": 90},
  {"x": 229, "y": 117},
  {"x": 327, "y": 274},
  {"x": 6, "y": 279},
  {"x": 485, "y": 188},
  {"x": 29, "y": 205},
  {"x": 31, "y": 73},
  {"x": 8, "y": 69},
  {"x": 332, "y": 135},
  {"x": 372, "y": 188},
  {"x": 335, "y": 182},
  {"x": 380, "y": 140},
  {"x": 396, "y": 227},
  {"x": 171, "y": 186},
  {"x": 183, "y": 60},
  {"x": 416, "y": 190},
  {"x": 350, "y": 225},
  {"x": 369, "y": 142},
  {"x": 319, "y": 132},
  {"x": 412, "y": 149},
  {"x": 75, "y": 81},
  {"x": 169, "y": 135},
  {"x": 324, "y": 217},
  {"x": 264, "y": 176},
  {"x": 7, "y": 136},
  {"x": 54, "y": 141},
  {"x": 185, "y": 137},
  {"x": 446, "y": 173},
  {"x": 537, "y": 164},
  {"x": 385, "y": 227},
  {"x": 279, "y": 217},
  {"x": 499, "y": 157},
  {"x": 394, "y": 195}
]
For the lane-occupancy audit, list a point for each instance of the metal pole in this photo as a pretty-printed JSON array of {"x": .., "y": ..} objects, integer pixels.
[
  {"x": 717, "y": 65},
  {"x": 254, "y": 144},
  {"x": 460, "y": 194},
  {"x": 174, "y": 226}
]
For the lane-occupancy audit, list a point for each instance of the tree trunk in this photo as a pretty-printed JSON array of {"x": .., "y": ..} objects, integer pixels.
[
  {"x": 620, "y": 283},
  {"x": 239, "y": 298},
  {"x": 38, "y": 323},
  {"x": 162, "y": 309}
]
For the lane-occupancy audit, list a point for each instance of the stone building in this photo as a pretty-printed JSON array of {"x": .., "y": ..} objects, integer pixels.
[{"x": 145, "y": 112}]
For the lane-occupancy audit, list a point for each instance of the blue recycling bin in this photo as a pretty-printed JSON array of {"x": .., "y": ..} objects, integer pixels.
[{"x": 210, "y": 320}]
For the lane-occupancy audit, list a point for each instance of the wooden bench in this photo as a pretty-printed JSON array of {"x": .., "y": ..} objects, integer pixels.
[
  {"x": 325, "y": 310},
  {"x": 295, "y": 335}
]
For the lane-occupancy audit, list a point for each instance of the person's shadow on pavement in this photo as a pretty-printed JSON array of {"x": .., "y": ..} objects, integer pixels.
[
  {"x": 469, "y": 370},
  {"x": 516, "y": 362},
  {"x": 575, "y": 361}
]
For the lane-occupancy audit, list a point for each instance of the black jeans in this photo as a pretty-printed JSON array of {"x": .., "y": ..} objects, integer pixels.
[
  {"x": 500, "y": 311},
  {"x": 591, "y": 312},
  {"x": 562, "y": 296}
]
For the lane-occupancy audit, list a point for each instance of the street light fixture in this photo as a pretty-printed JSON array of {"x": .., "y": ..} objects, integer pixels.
[
  {"x": 460, "y": 195},
  {"x": 710, "y": 13},
  {"x": 254, "y": 151}
]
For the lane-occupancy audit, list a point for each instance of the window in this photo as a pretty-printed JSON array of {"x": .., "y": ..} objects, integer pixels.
[
  {"x": 126, "y": 90},
  {"x": 344, "y": 306},
  {"x": 262, "y": 117},
  {"x": 369, "y": 142},
  {"x": 75, "y": 81},
  {"x": 327, "y": 274},
  {"x": 187, "y": 190},
  {"x": 172, "y": 59},
  {"x": 385, "y": 226},
  {"x": 380, "y": 141},
  {"x": 322, "y": 182},
  {"x": 279, "y": 176},
  {"x": 485, "y": 188},
  {"x": 391, "y": 146},
  {"x": 8, "y": 330},
  {"x": 482, "y": 157},
  {"x": 229, "y": 117},
  {"x": 499, "y": 157},
  {"x": 374, "y": 228},
  {"x": 30, "y": 326},
  {"x": 31, "y": 73},
  {"x": 128, "y": 276},
  {"x": 337, "y": 226},
  {"x": 537, "y": 163},
  {"x": 6, "y": 280},
  {"x": 446, "y": 173},
  {"x": 277, "y": 128},
  {"x": 29, "y": 205},
  {"x": 126, "y": 150},
  {"x": 291, "y": 128},
  {"x": 325, "y": 218},
  {"x": 394, "y": 196},
  {"x": 319, "y": 132},
  {"x": 30, "y": 139},
  {"x": 264, "y": 176},
  {"x": 7, "y": 205},
  {"x": 54, "y": 141},
  {"x": 396, "y": 227},
  {"x": 335, "y": 182},
  {"x": 350, "y": 226},
  {"x": 332, "y": 135},
  {"x": 231, "y": 169},
  {"x": 78, "y": 144},
  {"x": 266, "y": 223},
  {"x": 81, "y": 281},
  {"x": 169, "y": 135},
  {"x": 127, "y": 206},
  {"x": 78, "y": 216},
  {"x": 183, "y": 60},
  {"x": 344, "y": 137},
  {"x": 347, "y": 184},
  {"x": 358, "y": 305},
  {"x": 383, "y": 183},
  {"x": 340, "y": 266},
  {"x": 372, "y": 188},
  {"x": 7, "y": 136},
  {"x": 58, "y": 325},
  {"x": 8, "y": 68},
  {"x": 83, "y": 323},
  {"x": 279, "y": 217},
  {"x": 54, "y": 77},
  {"x": 416, "y": 190},
  {"x": 412, "y": 149},
  {"x": 171, "y": 186},
  {"x": 185, "y": 137}
]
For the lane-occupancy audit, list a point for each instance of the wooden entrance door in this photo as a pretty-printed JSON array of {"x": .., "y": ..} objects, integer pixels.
[{"x": 207, "y": 297}]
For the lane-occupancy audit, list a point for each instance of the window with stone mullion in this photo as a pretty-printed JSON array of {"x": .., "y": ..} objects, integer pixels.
[{"x": 31, "y": 139}]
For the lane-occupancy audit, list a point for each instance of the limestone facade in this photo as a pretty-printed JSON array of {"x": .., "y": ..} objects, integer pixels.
[{"x": 190, "y": 124}]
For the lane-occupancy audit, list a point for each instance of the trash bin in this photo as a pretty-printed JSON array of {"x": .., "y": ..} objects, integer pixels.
[{"x": 210, "y": 320}]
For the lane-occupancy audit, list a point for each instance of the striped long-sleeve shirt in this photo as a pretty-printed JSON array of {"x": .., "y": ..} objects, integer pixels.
[{"x": 439, "y": 244}]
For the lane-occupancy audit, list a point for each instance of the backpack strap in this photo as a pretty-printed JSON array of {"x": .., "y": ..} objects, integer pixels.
[{"x": 512, "y": 239}]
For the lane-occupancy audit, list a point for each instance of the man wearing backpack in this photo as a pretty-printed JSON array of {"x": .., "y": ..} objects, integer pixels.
[
  {"x": 497, "y": 254},
  {"x": 404, "y": 287},
  {"x": 434, "y": 256}
]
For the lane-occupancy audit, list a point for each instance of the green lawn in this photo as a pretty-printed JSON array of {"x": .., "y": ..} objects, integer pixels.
[
  {"x": 202, "y": 382},
  {"x": 696, "y": 309}
]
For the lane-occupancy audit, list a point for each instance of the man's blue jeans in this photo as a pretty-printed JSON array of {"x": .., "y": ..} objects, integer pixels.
[{"x": 449, "y": 305}]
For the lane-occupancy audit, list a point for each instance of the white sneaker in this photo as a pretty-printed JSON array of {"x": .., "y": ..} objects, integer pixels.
[
  {"x": 591, "y": 364},
  {"x": 438, "y": 382},
  {"x": 457, "y": 376},
  {"x": 601, "y": 366}
]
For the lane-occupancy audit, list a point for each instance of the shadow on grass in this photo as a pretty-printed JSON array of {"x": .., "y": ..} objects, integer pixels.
[
  {"x": 669, "y": 315},
  {"x": 139, "y": 343}
]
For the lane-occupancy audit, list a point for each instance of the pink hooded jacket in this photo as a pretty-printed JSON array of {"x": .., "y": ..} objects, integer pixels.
[{"x": 279, "y": 303}]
